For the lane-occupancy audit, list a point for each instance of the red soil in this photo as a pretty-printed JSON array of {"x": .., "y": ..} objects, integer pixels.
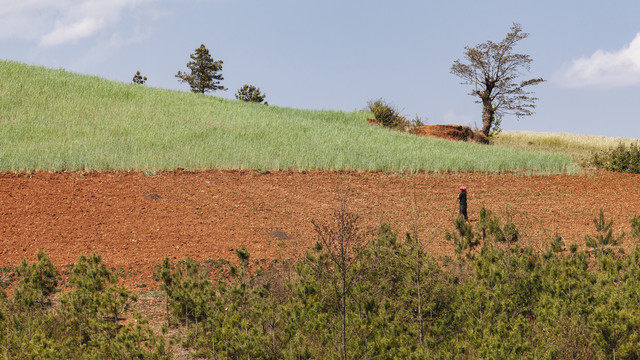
[
  {"x": 451, "y": 132},
  {"x": 374, "y": 122},
  {"x": 135, "y": 220}
]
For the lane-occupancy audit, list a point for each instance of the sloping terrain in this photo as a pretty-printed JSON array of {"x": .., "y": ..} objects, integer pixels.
[
  {"x": 452, "y": 132},
  {"x": 53, "y": 120},
  {"x": 134, "y": 220}
]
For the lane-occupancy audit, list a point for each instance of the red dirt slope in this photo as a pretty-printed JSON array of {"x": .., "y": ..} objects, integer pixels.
[{"x": 135, "y": 220}]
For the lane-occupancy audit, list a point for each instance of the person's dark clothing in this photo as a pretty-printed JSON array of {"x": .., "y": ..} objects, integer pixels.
[{"x": 463, "y": 204}]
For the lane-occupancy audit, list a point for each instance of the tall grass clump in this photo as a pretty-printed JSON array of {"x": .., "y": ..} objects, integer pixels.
[{"x": 56, "y": 120}]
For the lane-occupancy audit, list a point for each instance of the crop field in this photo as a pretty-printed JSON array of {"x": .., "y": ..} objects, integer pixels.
[
  {"x": 90, "y": 166},
  {"x": 137, "y": 175},
  {"x": 134, "y": 220},
  {"x": 53, "y": 120}
]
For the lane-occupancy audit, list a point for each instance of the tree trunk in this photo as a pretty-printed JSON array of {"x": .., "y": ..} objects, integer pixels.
[
  {"x": 419, "y": 283},
  {"x": 420, "y": 311},
  {"x": 213, "y": 341},
  {"x": 488, "y": 114},
  {"x": 166, "y": 308},
  {"x": 344, "y": 317}
]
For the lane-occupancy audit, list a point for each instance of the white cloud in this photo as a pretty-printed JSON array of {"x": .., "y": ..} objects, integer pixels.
[
  {"x": 24, "y": 19},
  {"x": 59, "y": 22},
  {"x": 103, "y": 50},
  {"x": 605, "y": 69},
  {"x": 68, "y": 33}
]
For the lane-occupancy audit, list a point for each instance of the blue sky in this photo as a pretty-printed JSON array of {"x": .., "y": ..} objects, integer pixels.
[{"x": 339, "y": 54}]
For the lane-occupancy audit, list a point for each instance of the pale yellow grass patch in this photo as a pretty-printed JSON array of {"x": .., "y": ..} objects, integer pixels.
[{"x": 579, "y": 147}]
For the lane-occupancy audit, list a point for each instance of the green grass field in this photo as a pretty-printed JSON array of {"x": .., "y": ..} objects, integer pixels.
[{"x": 55, "y": 120}]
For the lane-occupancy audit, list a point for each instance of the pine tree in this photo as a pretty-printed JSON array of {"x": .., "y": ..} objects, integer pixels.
[
  {"x": 635, "y": 228},
  {"x": 138, "y": 79},
  {"x": 605, "y": 237},
  {"x": 205, "y": 73},
  {"x": 38, "y": 281},
  {"x": 250, "y": 93},
  {"x": 464, "y": 238}
]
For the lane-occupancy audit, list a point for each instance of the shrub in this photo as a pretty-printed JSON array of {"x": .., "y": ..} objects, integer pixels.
[
  {"x": 250, "y": 93},
  {"x": 620, "y": 159},
  {"x": 604, "y": 236},
  {"x": 386, "y": 114},
  {"x": 38, "y": 282},
  {"x": 418, "y": 121},
  {"x": 635, "y": 228},
  {"x": 86, "y": 322},
  {"x": 138, "y": 79},
  {"x": 497, "y": 127}
]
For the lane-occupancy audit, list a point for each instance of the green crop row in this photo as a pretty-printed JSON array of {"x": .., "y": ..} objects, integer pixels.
[{"x": 55, "y": 120}]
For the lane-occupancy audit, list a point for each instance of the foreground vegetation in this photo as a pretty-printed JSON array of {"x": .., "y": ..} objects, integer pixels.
[
  {"x": 386, "y": 297},
  {"x": 622, "y": 158},
  {"x": 85, "y": 322},
  {"x": 55, "y": 120},
  {"x": 353, "y": 295}
]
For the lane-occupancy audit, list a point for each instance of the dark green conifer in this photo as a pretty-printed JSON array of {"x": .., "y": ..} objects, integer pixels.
[
  {"x": 138, "y": 79},
  {"x": 635, "y": 228},
  {"x": 205, "y": 73},
  {"x": 250, "y": 93},
  {"x": 38, "y": 281},
  {"x": 605, "y": 237}
]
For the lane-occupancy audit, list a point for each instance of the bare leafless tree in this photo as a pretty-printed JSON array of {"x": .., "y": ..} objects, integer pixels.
[
  {"x": 492, "y": 70},
  {"x": 343, "y": 240}
]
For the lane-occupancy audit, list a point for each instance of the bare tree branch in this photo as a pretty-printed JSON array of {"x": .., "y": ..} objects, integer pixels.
[{"x": 492, "y": 70}]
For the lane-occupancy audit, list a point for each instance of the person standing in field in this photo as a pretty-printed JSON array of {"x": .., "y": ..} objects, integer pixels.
[{"x": 462, "y": 198}]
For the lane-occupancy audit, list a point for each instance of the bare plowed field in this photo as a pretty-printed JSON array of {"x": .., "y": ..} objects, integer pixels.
[{"x": 134, "y": 220}]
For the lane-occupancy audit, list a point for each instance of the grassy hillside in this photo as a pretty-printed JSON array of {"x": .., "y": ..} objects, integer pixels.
[
  {"x": 56, "y": 120},
  {"x": 579, "y": 147}
]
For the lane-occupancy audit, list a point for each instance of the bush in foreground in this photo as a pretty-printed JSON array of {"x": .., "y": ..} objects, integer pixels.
[
  {"x": 85, "y": 323},
  {"x": 393, "y": 300},
  {"x": 623, "y": 158},
  {"x": 385, "y": 298}
]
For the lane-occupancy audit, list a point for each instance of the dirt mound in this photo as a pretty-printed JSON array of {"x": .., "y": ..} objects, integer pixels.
[{"x": 452, "y": 132}]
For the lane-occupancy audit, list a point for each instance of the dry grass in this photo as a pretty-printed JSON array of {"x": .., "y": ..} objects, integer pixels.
[{"x": 579, "y": 147}]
